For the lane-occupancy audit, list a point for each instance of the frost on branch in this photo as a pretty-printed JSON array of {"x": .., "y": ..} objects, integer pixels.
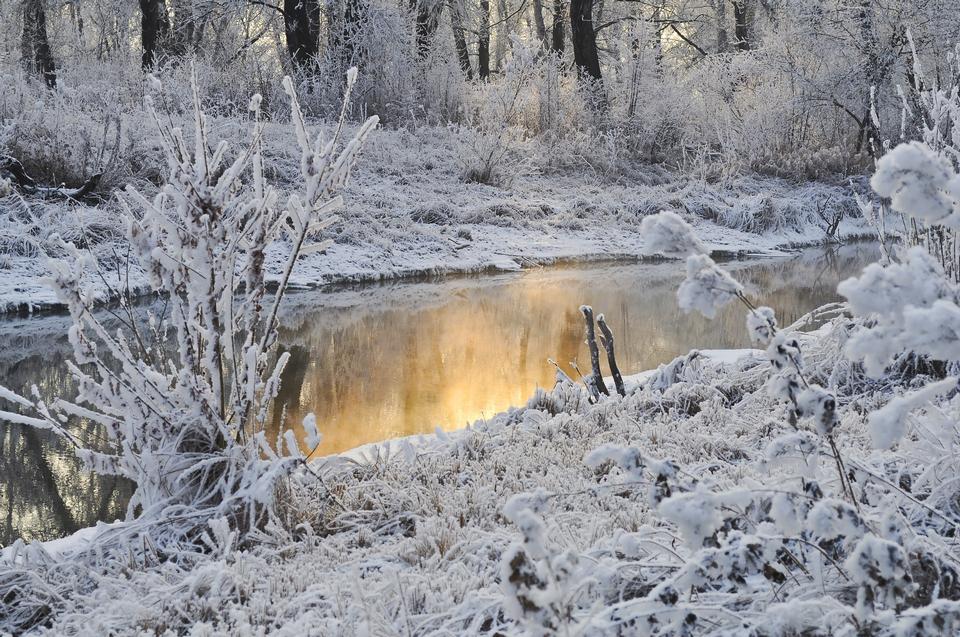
[
  {"x": 707, "y": 288},
  {"x": 889, "y": 423},
  {"x": 668, "y": 234},
  {"x": 881, "y": 570},
  {"x": 761, "y": 326},
  {"x": 914, "y": 309},
  {"x": 832, "y": 519},
  {"x": 696, "y": 515},
  {"x": 183, "y": 401},
  {"x": 538, "y": 582},
  {"x": 920, "y": 183},
  {"x": 313, "y": 433},
  {"x": 821, "y": 406}
]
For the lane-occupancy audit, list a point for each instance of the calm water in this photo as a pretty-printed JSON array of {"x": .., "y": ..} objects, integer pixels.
[{"x": 379, "y": 361}]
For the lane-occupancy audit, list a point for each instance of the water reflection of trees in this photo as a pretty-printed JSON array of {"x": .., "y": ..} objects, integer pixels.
[{"x": 46, "y": 492}]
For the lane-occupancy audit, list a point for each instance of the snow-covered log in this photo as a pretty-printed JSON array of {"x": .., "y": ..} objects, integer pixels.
[{"x": 13, "y": 170}]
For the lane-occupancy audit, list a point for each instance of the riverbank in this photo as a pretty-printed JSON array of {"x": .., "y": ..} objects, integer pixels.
[{"x": 410, "y": 213}]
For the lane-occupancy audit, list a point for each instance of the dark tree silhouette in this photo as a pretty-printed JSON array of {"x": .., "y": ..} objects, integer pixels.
[
  {"x": 428, "y": 19},
  {"x": 460, "y": 39},
  {"x": 483, "y": 46},
  {"x": 35, "y": 45},
  {"x": 301, "y": 22},
  {"x": 584, "y": 39},
  {"x": 155, "y": 27},
  {"x": 558, "y": 36},
  {"x": 741, "y": 24}
]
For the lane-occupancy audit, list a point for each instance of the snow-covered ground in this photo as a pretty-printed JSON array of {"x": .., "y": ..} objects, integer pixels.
[
  {"x": 805, "y": 489},
  {"x": 420, "y": 536},
  {"x": 409, "y": 212}
]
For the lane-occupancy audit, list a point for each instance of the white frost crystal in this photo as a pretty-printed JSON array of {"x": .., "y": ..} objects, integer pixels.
[
  {"x": 707, "y": 288},
  {"x": 668, "y": 234}
]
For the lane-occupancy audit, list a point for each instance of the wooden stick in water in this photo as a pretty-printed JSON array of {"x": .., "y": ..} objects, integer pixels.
[
  {"x": 587, "y": 312},
  {"x": 606, "y": 337}
]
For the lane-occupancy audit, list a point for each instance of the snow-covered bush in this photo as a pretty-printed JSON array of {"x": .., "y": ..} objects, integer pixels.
[
  {"x": 869, "y": 534},
  {"x": 183, "y": 401},
  {"x": 494, "y": 131},
  {"x": 81, "y": 130}
]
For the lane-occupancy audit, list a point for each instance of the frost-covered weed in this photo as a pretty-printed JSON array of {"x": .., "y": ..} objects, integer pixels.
[
  {"x": 493, "y": 134},
  {"x": 182, "y": 402},
  {"x": 809, "y": 525}
]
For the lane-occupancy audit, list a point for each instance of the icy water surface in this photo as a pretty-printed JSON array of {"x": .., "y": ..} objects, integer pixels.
[{"x": 380, "y": 361}]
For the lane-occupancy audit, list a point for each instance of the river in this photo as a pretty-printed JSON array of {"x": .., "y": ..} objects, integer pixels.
[{"x": 379, "y": 361}]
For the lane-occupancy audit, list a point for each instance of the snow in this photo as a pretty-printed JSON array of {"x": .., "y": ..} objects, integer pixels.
[
  {"x": 666, "y": 233},
  {"x": 408, "y": 212},
  {"x": 889, "y": 423},
  {"x": 761, "y": 325},
  {"x": 919, "y": 182},
  {"x": 722, "y": 488},
  {"x": 820, "y": 405},
  {"x": 707, "y": 288},
  {"x": 425, "y": 530}
]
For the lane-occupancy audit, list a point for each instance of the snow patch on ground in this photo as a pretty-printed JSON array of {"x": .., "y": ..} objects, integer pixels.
[{"x": 409, "y": 212}]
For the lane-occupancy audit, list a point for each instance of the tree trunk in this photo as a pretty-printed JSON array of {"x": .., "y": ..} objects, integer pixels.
[
  {"x": 657, "y": 42},
  {"x": 558, "y": 36},
  {"x": 428, "y": 18},
  {"x": 35, "y": 46},
  {"x": 12, "y": 169},
  {"x": 539, "y": 24},
  {"x": 584, "y": 39},
  {"x": 875, "y": 72},
  {"x": 503, "y": 34},
  {"x": 301, "y": 23},
  {"x": 459, "y": 39},
  {"x": 354, "y": 15},
  {"x": 720, "y": 6},
  {"x": 184, "y": 30},
  {"x": 741, "y": 24},
  {"x": 77, "y": 16},
  {"x": 155, "y": 27},
  {"x": 483, "y": 46},
  {"x": 606, "y": 337}
]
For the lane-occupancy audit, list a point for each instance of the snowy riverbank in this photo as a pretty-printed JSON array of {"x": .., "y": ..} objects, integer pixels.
[
  {"x": 408, "y": 212},
  {"x": 406, "y": 446}
]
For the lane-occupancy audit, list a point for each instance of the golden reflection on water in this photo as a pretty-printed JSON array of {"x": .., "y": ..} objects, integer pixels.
[
  {"x": 467, "y": 349},
  {"x": 375, "y": 362}
]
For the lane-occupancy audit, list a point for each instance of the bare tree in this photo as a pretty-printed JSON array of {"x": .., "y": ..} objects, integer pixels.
[
  {"x": 741, "y": 24},
  {"x": 502, "y": 24},
  {"x": 186, "y": 28},
  {"x": 557, "y": 34},
  {"x": 720, "y": 8},
  {"x": 301, "y": 22},
  {"x": 539, "y": 24},
  {"x": 427, "y": 14},
  {"x": 35, "y": 46},
  {"x": 483, "y": 46},
  {"x": 354, "y": 17}
]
